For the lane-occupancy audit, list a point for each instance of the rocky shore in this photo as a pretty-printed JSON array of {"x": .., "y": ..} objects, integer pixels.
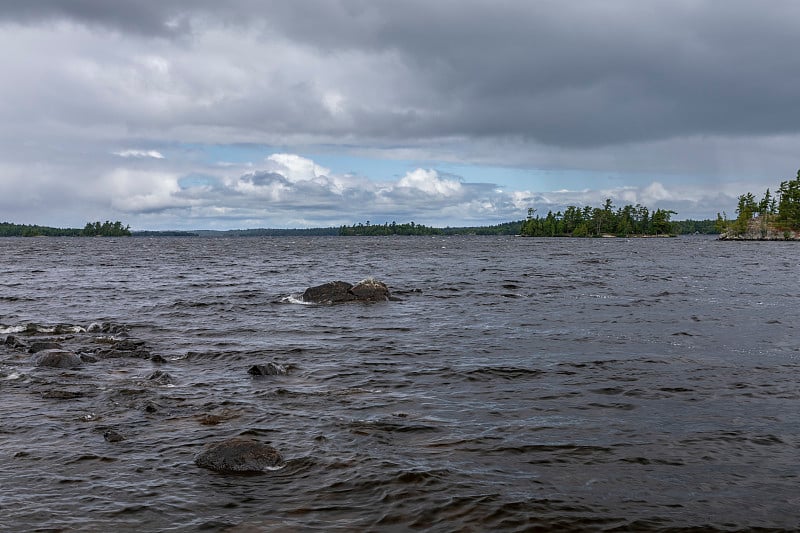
[
  {"x": 127, "y": 389},
  {"x": 73, "y": 364}
]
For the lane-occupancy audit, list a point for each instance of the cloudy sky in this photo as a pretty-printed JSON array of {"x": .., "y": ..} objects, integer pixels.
[{"x": 219, "y": 114}]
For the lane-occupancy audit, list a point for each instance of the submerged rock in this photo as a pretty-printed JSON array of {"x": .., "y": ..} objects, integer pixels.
[
  {"x": 239, "y": 455},
  {"x": 56, "y": 359},
  {"x": 161, "y": 377},
  {"x": 14, "y": 343},
  {"x": 125, "y": 348},
  {"x": 369, "y": 290},
  {"x": 39, "y": 346},
  {"x": 113, "y": 436},
  {"x": 270, "y": 369}
]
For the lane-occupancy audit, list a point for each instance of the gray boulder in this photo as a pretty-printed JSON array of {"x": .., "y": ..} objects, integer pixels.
[
  {"x": 56, "y": 359},
  {"x": 39, "y": 346},
  {"x": 329, "y": 293},
  {"x": 335, "y": 292},
  {"x": 239, "y": 455},
  {"x": 371, "y": 290}
]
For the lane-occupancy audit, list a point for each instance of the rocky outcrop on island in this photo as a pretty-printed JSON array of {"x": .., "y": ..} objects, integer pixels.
[
  {"x": 239, "y": 455},
  {"x": 760, "y": 229},
  {"x": 335, "y": 292}
]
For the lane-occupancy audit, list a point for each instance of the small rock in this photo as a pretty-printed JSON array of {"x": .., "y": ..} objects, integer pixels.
[
  {"x": 62, "y": 394},
  {"x": 239, "y": 455},
  {"x": 14, "y": 343},
  {"x": 113, "y": 436},
  {"x": 39, "y": 346},
  {"x": 150, "y": 407},
  {"x": 270, "y": 369},
  {"x": 88, "y": 358},
  {"x": 128, "y": 345},
  {"x": 161, "y": 377},
  {"x": 211, "y": 419},
  {"x": 56, "y": 359},
  {"x": 157, "y": 359}
]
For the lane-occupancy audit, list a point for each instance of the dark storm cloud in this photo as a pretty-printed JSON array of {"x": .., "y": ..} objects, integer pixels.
[
  {"x": 569, "y": 74},
  {"x": 147, "y": 17}
]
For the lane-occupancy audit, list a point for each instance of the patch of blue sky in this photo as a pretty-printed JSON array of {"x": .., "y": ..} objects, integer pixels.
[
  {"x": 508, "y": 178},
  {"x": 196, "y": 179}
]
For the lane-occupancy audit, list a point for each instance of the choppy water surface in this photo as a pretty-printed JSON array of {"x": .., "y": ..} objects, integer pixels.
[{"x": 520, "y": 384}]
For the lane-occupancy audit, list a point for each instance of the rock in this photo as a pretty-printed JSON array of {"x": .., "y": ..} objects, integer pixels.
[
  {"x": 239, "y": 455},
  {"x": 270, "y": 369},
  {"x": 371, "y": 290},
  {"x": 88, "y": 358},
  {"x": 56, "y": 359},
  {"x": 105, "y": 327},
  {"x": 128, "y": 345},
  {"x": 126, "y": 348},
  {"x": 334, "y": 292},
  {"x": 38, "y": 346},
  {"x": 329, "y": 293},
  {"x": 113, "y": 436},
  {"x": 161, "y": 377},
  {"x": 157, "y": 359},
  {"x": 63, "y": 394},
  {"x": 14, "y": 343}
]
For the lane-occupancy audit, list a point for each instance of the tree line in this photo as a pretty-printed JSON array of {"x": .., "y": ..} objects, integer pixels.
[
  {"x": 779, "y": 211},
  {"x": 92, "y": 229},
  {"x": 106, "y": 229},
  {"x": 412, "y": 228},
  {"x": 590, "y": 221}
]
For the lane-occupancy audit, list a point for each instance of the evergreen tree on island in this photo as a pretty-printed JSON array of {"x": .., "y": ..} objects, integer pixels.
[
  {"x": 774, "y": 217},
  {"x": 106, "y": 229},
  {"x": 600, "y": 221}
]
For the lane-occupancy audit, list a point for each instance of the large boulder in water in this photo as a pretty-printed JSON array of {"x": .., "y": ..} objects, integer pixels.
[
  {"x": 56, "y": 359},
  {"x": 329, "y": 293},
  {"x": 239, "y": 455},
  {"x": 334, "y": 292},
  {"x": 370, "y": 290}
]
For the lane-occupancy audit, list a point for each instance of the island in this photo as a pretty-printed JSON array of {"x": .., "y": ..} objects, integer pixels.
[{"x": 773, "y": 218}]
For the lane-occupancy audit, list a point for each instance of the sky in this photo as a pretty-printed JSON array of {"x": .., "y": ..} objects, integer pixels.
[{"x": 204, "y": 114}]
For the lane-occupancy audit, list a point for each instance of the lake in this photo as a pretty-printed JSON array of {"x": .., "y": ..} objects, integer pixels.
[{"x": 518, "y": 384}]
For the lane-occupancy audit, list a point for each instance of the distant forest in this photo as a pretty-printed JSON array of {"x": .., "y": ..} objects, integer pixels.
[
  {"x": 92, "y": 229},
  {"x": 410, "y": 228},
  {"x": 551, "y": 225},
  {"x": 627, "y": 221},
  {"x": 574, "y": 222}
]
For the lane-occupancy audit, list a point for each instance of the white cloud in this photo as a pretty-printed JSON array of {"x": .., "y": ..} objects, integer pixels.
[
  {"x": 140, "y": 153},
  {"x": 136, "y": 191},
  {"x": 429, "y": 182},
  {"x": 296, "y": 168}
]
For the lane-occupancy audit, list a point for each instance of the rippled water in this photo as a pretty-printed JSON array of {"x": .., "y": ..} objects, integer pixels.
[{"x": 519, "y": 385}]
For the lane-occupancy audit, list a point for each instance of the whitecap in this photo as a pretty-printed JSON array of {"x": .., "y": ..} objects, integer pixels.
[{"x": 294, "y": 299}]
